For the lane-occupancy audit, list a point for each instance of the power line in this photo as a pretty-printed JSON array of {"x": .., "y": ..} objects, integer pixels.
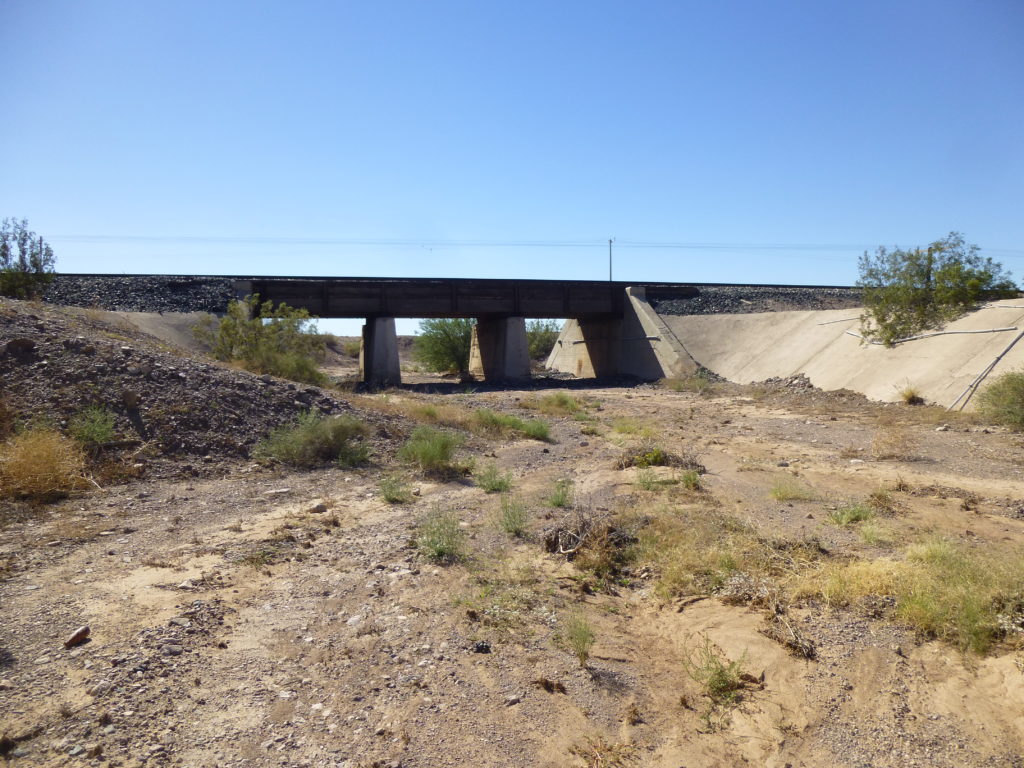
[{"x": 483, "y": 243}]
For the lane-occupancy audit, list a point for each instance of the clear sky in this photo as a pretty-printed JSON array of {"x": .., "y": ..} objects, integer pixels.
[{"x": 728, "y": 141}]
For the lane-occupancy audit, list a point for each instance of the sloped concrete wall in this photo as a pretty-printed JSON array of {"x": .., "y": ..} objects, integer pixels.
[{"x": 753, "y": 347}]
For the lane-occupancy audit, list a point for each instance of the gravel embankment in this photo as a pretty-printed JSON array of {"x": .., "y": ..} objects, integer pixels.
[
  {"x": 152, "y": 293},
  {"x": 721, "y": 299}
]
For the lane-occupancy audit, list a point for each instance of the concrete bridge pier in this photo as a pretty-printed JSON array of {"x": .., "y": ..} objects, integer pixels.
[
  {"x": 638, "y": 343},
  {"x": 499, "y": 350},
  {"x": 378, "y": 353}
]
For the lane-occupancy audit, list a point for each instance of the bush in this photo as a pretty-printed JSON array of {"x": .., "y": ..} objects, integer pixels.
[
  {"x": 92, "y": 426},
  {"x": 553, "y": 404},
  {"x": 579, "y": 636},
  {"x": 492, "y": 480},
  {"x": 443, "y": 344},
  {"x": 313, "y": 440},
  {"x": 720, "y": 678},
  {"x": 394, "y": 490},
  {"x": 562, "y": 494},
  {"x": 906, "y": 292},
  {"x": 26, "y": 260},
  {"x": 541, "y": 336},
  {"x": 853, "y": 513},
  {"x": 1002, "y": 401},
  {"x": 40, "y": 463},
  {"x": 431, "y": 450},
  {"x": 263, "y": 338},
  {"x": 501, "y": 424},
  {"x": 513, "y": 516},
  {"x": 439, "y": 537}
]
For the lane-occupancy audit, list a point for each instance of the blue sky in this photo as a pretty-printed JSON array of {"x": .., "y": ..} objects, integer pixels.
[{"x": 716, "y": 141}]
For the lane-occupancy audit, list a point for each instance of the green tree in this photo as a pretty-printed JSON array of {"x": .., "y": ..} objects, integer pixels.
[
  {"x": 906, "y": 292},
  {"x": 26, "y": 260},
  {"x": 443, "y": 344},
  {"x": 264, "y": 338},
  {"x": 541, "y": 336}
]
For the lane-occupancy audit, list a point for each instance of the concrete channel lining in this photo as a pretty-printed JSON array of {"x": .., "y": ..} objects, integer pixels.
[{"x": 748, "y": 348}]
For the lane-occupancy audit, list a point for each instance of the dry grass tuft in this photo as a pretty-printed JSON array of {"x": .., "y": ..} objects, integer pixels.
[
  {"x": 40, "y": 464},
  {"x": 969, "y": 598}
]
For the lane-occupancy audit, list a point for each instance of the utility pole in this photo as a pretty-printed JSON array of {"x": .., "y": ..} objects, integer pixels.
[{"x": 610, "y": 239}]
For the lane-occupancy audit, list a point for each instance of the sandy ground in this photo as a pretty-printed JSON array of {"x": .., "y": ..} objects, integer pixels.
[{"x": 278, "y": 618}]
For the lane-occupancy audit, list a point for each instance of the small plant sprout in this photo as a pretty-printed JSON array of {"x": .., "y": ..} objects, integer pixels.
[
  {"x": 512, "y": 516},
  {"x": 562, "y": 495},
  {"x": 579, "y": 636},
  {"x": 492, "y": 480}
]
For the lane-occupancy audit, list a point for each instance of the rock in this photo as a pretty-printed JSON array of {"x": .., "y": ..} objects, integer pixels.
[
  {"x": 76, "y": 750},
  {"x": 511, "y": 701},
  {"x": 481, "y": 646},
  {"x": 943, "y": 428},
  {"x": 93, "y": 750},
  {"x": 6, "y": 685},
  {"x": 782, "y": 464},
  {"x": 21, "y": 347},
  {"x": 180, "y": 621},
  {"x": 319, "y": 509},
  {"x": 277, "y": 491},
  {"x": 77, "y": 637},
  {"x": 172, "y": 650}
]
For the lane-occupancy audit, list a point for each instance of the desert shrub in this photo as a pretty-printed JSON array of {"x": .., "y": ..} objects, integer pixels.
[
  {"x": 720, "y": 678},
  {"x": 394, "y": 490},
  {"x": 906, "y": 292},
  {"x": 93, "y": 425},
  {"x": 512, "y": 516},
  {"x": 432, "y": 450},
  {"x": 579, "y": 637},
  {"x": 264, "y": 338},
  {"x": 790, "y": 489},
  {"x": 910, "y": 395},
  {"x": 541, "y": 336},
  {"x": 553, "y": 404},
  {"x": 1002, "y": 401},
  {"x": 646, "y": 480},
  {"x": 26, "y": 260},
  {"x": 492, "y": 480},
  {"x": 490, "y": 422},
  {"x": 701, "y": 382},
  {"x": 40, "y": 463},
  {"x": 943, "y": 589},
  {"x": 562, "y": 494},
  {"x": 851, "y": 513},
  {"x": 690, "y": 479},
  {"x": 352, "y": 348},
  {"x": 313, "y": 439},
  {"x": 443, "y": 344},
  {"x": 439, "y": 537}
]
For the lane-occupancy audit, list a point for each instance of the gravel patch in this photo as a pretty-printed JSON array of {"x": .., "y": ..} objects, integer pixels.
[
  {"x": 151, "y": 293},
  {"x": 722, "y": 299}
]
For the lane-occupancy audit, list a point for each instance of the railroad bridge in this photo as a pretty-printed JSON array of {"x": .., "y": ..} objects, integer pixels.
[{"x": 612, "y": 329}]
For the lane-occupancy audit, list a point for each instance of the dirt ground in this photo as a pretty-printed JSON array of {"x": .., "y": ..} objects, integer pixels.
[{"x": 268, "y": 617}]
